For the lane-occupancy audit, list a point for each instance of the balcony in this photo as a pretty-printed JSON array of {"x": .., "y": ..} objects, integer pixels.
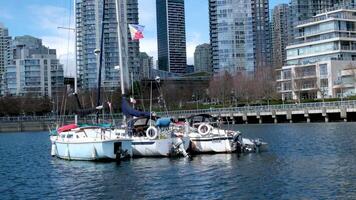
[{"x": 302, "y": 39}]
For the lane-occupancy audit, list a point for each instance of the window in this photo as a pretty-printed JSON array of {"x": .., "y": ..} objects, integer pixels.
[
  {"x": 324, "y": 83},
  {"x": 323, "y": 69}
]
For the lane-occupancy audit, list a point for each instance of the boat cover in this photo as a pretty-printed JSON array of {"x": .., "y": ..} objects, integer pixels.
[
  {"x": 163, "y": 122},
  {"x": 129, "y": 111},
  {"x": 66, "y": 128}
]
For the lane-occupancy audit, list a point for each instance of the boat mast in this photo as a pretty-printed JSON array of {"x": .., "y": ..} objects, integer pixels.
[
  {"x": 98, "y": 101},
  {"x": 76, "y": 64},
  {"x": 121, "y": 35},
  {"x": 120, "y": 48}
]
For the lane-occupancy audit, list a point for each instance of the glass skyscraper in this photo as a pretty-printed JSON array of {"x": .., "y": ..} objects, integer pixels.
[
  {"x": 171, "y": 36},
  {"x": 88, "y": 26},
  {"x": 239, "y": 35}
]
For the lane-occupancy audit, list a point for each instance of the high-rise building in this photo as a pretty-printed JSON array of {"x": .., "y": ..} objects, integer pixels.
[
  {"x": 239, "y": 35},
  {"x": 305, "y": 9},
  {"x": 280, "y": 34},
  {"x": 5, "y": 40},
  {"x": 318, "y": 63},
  {"x": 88, "y": 26},
  {"x": 202, "y": 58},
  {"x": 146, "y": 63},
  {"x": 171, "y": 36},
  {"x": 34, "y": 69}
]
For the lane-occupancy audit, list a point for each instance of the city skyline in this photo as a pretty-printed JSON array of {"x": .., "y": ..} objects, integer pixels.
[{"x": 55, "y": 13}]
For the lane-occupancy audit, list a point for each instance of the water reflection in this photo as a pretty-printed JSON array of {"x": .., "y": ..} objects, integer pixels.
[{"x": 304, "y": 161}]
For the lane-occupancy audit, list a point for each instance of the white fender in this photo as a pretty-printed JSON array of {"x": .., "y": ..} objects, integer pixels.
[
  {"x": 201, "y": 130},
  {"x": 149, "y": 131}
]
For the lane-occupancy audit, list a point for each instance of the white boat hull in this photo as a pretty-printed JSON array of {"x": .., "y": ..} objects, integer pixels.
[
  {"x": 93, "y": 150},
  {"x": 218, "y": 144},
  {"x": 143, "y": 147}
]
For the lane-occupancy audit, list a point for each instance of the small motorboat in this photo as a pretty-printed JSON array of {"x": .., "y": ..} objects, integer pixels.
[{"x": 207, "y": 136}]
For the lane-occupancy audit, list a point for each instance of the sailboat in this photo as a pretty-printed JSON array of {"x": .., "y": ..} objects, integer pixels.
[
  {"x": 151, "y": 136},
  {"x": 90, "y": 142}
]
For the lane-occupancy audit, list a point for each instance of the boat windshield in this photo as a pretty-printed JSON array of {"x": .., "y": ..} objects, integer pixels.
[{"x": 195, "y": 121}]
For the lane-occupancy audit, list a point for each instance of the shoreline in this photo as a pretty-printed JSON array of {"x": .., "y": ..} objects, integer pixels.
[{"x": 35, "y": 126}]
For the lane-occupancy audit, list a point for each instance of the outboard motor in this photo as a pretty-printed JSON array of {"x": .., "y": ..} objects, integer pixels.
[
  {"x": 178, "y": 147},
  {"x": 258, "y": 144},
  {"x": 237, "y": 142}
]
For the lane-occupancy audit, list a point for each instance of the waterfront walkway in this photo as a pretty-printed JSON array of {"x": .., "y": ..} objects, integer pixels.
[{"x": 286, "y": 113}]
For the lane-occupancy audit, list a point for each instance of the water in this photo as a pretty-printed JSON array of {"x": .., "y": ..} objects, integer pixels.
[{"x": 304, "y": 161}]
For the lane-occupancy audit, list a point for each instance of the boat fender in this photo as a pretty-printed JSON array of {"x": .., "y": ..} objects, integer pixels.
[
  {"x": 151, "y": 133},
  {"x": 204, "y": 129}
]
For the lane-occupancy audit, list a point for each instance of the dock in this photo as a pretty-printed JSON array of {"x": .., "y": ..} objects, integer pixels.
[{"x": 339, "y": 111}]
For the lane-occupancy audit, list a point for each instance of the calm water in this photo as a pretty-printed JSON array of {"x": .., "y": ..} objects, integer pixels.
[{"x": 305, "y": 161}]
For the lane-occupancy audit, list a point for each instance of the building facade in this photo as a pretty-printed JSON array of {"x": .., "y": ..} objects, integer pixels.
[
  {"x": 305, "y": 9},
  {"x": 171, "y": 36},
  {"x": 88, "y": 26},
  {"x": 280, "y": 34},
  {"x": 33, "y": 70},
  {"x": 239, "y": 35},
  {"x": 5, "y": 40},
  {"x": 324, "y": 47},
  {"x": 202, "y": 58},
  {"x": 146, "y": 62}
]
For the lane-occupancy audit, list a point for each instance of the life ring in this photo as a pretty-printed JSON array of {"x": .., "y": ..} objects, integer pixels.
[
  {"x": 151, "y": 133},
  {"x": 204, "y": 129}
]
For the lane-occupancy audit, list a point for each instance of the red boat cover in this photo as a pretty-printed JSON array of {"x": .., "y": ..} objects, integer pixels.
[{"x": 66, "y": 128}]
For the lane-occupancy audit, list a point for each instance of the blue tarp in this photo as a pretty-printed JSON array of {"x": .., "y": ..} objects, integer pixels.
[
  {"x": 130, "y": 112},
  {"x": 163, "y": 122}
]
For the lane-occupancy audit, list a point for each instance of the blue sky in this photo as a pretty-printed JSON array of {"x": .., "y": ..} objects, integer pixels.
[{"x": 41, "y": 18}]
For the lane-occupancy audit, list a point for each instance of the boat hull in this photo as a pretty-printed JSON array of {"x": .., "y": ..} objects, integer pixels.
[
  {"x": 93, "y": 150},
  {"x": 143, "y": 147},
  {"x": 218, "y": 144}
]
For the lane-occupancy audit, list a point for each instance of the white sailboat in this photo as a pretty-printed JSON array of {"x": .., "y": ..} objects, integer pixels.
[
  {"x": 97, "y": 142},
  {"x": 207, "y": 137},
  {"x": 91, "y": 143},
  {"x": 154, "y": 139}
]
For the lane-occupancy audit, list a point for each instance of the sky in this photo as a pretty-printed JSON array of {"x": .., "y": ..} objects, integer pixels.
[{"x": 41, "y": 18}]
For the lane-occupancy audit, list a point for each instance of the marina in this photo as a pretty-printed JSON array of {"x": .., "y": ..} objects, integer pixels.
[{"x": 315, "y": 158}]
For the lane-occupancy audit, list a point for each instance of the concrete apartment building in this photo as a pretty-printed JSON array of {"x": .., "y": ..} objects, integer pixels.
[
  {"x": 202, "y": 58},
  {"x": 280, "y": 34},
  {"x": 322, "y": 57},
  {"x": 34, "y": 69},
  {"x": 5, "y": 41},
  {"x": 146, "y": 63}
]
